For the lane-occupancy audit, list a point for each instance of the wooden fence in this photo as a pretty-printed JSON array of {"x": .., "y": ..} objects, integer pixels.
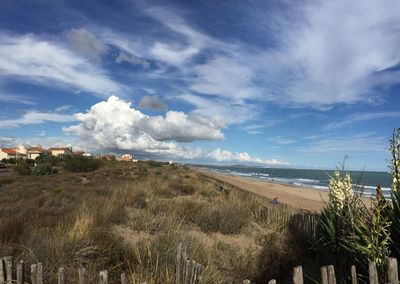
[{"x": 187, "y": 272}]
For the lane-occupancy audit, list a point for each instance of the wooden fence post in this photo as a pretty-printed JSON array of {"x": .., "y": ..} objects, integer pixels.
[
  {"x": 123, "y": 278},
  {"x": 324, "y": 275},
  {"x": 186, "y": 272},
  {"x": 193, "y": 272},
  {"x": 178, "y": 269},
  {"x": 61, "y": 275},
  {"x": 103, "y": 277},
  {"x": 2, "y": 278},
  {"x": 373, "y": 274},
  {"x": 81, "y": 276},
  {"x": 199, "y": 272},
  {"x": 393, "y": 276},
  {"x": 34, "y": 274},
  {"x": 298, "y": 275},
  {"x": 8, "y": 263},
  {"x": 39, "y": 273},
  {"x": 354, "y": 279},
  {"x": 20, "y": 272},
  {"x": 331, "y": 274}
]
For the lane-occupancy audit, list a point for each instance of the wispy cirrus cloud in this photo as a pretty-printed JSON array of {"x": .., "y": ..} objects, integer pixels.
[
  {"x": 35, "y": 117},
  {"x": 45, "y": 62},
  {"x": 357, "y": 143},
  {"x": 361, "y": 117}
]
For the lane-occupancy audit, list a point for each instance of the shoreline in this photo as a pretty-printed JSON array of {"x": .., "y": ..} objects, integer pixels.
[
  {"x": 300, "y": 197},
  {"x": 295, "y": 196}
]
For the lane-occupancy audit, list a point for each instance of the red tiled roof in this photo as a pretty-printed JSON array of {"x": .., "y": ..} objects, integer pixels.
[{"x": 9, "y": 151}]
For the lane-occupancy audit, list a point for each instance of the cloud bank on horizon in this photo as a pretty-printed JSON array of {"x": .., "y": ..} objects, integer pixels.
[{"x": 271, "y": 84}]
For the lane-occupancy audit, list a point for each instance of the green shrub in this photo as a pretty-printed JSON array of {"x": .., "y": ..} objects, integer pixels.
[
  {"x": 226, "y": 219},
  {"x": 155, "y": 164},
  {"x": 43, "y": 169},
  {"x": 49, "y": 159},
  {"x": 81, "y": 164},
  {"x": 23, "y": 167}
]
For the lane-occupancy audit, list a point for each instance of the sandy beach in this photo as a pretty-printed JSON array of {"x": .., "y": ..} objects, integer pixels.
[{"x": 299, "y": 197}]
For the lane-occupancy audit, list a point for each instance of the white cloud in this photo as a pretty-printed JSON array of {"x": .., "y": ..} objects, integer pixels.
[
  {"x": 361, "y": 117},
  {"x": 49, "y": 63},
  {"x": 228, "y": 156},
  {"x": 152, "y": 102},
  {"x": 62, "y": 108},
  {"x": 315, "y": 62},
  {"x": 15, "y": 98},
  {"x": 115, "y": 124},
  {"x": 35, "y": 117},
  {"x": 224, "y": 77},
  {"x": 84, "y": 42},
  {"x": 336, "y": 54},
  {"x": 224, "y": 110},
  {"x": 282, "y": 141},
  {"x": 358, "y": 143},
  {"x": 133, "y": 59}
]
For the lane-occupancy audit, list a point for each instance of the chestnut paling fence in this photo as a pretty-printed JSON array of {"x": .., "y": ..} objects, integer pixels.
[{"x": 187, "y": 272}]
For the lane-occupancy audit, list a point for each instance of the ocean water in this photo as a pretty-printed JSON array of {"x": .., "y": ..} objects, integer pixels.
[{"x": 317, "y": 179}]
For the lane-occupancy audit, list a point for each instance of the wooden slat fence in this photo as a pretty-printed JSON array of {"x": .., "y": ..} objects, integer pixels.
[{"x": 187, "y": 272}]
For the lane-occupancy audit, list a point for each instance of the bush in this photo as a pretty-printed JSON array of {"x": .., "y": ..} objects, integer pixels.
[
  {"x": 226, "y": 219},
  {"x": 81, "y": 164},
  {"x": 48, "y": 159},
  {"x": 43, "y": 169},
  {"x": 23, "y": 167},
  {"x": 155, "y": 164}
]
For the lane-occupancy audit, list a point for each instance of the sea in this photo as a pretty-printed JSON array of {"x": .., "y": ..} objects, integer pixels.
[{"x": 309, "y": 178}]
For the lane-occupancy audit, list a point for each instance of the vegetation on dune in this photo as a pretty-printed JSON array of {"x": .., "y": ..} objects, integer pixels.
[
  {"x": 131, "y": 217},
  {"x": 47, "y": 165},
  {"x": 353, "y": 233}
]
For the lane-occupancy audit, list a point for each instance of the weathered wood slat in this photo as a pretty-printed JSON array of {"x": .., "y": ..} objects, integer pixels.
[
  {"x": 8, "y": 264},
  {"x": 373, "y": 274},
  {"x": 82, "y": 275},
  {"x": 34, "y": 274},
  {"x": 39, "y": 273},
  {"x": 193, "y": 272},
  {"x": 324, "y": 275},
  {"x": 178, "y": 269},
  {"x": 354, "y": 279},
  {"x": 331, "y": 274},
  {"x": 20, "y": 272},
  {"x": 61, "y": 275},
  {"x": 392, "y": 270},
  {"x": 103, "y": 277},
  {"x": 186, "y": 272},
  {"x": 298, "y": 275},
  {"x": 123, "y": 278},
  {"x": 2, "y": 274}
]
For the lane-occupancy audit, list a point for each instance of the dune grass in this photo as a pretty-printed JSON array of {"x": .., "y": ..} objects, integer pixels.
[{"x": 131, "y": 217}]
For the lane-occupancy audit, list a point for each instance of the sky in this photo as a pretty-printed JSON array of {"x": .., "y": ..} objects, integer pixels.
[{"x": 269, "y": 83}]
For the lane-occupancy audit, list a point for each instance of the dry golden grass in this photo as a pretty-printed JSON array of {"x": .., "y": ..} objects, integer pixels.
[{"x": 131, "y": 217}]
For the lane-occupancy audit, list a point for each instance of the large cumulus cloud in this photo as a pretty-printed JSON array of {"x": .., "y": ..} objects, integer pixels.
[{"x": 115, "y": 124}]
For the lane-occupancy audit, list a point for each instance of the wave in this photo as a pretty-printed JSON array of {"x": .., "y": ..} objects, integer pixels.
[{"x": 306, "y": 180}]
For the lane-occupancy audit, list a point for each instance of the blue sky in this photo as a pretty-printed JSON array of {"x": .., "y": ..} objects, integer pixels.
[{"x": 271, "y": 83}]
